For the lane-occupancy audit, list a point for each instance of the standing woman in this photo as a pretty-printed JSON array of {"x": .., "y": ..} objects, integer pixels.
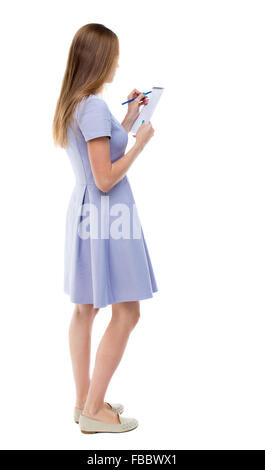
[{"x": 106, "y": 260}]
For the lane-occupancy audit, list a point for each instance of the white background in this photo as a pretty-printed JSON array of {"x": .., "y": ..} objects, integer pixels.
[{"x": 193, "y": 371}]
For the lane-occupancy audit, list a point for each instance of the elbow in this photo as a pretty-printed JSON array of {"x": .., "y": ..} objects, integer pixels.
[{"x": 104, "y": 186}]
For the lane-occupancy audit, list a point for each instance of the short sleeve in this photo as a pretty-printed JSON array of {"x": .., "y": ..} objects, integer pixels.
[{"x": 94, "y": 119}]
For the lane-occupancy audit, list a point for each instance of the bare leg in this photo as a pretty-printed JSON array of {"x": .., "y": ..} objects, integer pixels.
[
  {"x": 125, "y": 316},
  {"x": 80, "y": 345}
]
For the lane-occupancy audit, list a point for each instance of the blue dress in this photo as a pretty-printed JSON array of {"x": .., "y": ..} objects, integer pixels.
[{"x": 106, "y": 259}]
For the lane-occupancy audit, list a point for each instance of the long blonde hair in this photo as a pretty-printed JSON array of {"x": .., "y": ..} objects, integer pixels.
[{"x": 90, "y": 60}]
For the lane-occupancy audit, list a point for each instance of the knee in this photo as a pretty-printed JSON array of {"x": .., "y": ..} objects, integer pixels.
[
  {"x": 135, "y": 317},
  {"x": 135, "y": 320},
  {"x": 127, "y": 313},
  {"x": 86, "y": 310}
]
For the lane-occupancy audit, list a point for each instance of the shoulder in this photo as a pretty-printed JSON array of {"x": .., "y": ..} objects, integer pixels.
[
  {"x": 94, "y": 117},
  {"x": 93, "y": 104}
]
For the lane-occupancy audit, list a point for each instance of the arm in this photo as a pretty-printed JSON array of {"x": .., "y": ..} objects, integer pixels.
[
  {"x": 106, "y": 174},
  {"x": 95, "y": 125},
  {"x": 127, "y": 122},
  {"x": 134, "y": 108}
]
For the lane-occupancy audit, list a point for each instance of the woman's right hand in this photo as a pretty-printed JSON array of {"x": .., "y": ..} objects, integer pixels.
[{"x": 144, "y": 133}]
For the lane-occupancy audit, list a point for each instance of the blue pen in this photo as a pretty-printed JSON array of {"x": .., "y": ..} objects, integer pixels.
[{"x": 136, "y": 97}]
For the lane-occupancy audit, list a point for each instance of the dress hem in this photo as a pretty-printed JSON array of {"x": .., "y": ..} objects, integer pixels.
[{"x": 130, "y": 299}]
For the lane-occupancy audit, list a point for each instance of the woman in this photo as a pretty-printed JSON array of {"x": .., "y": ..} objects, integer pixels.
[{"x": 106, "y": 257}]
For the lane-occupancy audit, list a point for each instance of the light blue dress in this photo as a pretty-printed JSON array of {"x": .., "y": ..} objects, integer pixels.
[{"x": 106, "y": 259}]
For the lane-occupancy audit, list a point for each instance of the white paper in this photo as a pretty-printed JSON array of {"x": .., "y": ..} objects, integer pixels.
[{"x": 148, "y": 109}]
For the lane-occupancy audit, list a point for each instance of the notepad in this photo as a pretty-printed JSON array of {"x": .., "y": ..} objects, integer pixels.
[{"x": 148, "y": 109}]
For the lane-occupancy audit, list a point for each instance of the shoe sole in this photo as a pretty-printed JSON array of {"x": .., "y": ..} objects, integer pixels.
[
  {"x": 115, "y": 432},
  {"x": 89, "y": 432}
]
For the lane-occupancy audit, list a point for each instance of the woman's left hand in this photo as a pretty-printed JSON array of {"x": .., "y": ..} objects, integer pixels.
[{"x": 135, "y": 106}]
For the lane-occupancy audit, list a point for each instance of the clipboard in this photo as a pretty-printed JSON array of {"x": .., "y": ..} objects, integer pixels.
[{"x": 147, "y": 111}]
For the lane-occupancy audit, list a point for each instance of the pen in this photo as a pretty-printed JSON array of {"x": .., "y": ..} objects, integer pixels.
[{"x": 136, "y": 97}]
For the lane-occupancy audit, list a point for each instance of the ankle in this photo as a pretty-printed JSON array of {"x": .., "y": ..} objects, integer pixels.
[
  {"x": 80, "y": 403},
  {"x": 93, "y": 409},
  {"x": 79, "y": 406}
]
